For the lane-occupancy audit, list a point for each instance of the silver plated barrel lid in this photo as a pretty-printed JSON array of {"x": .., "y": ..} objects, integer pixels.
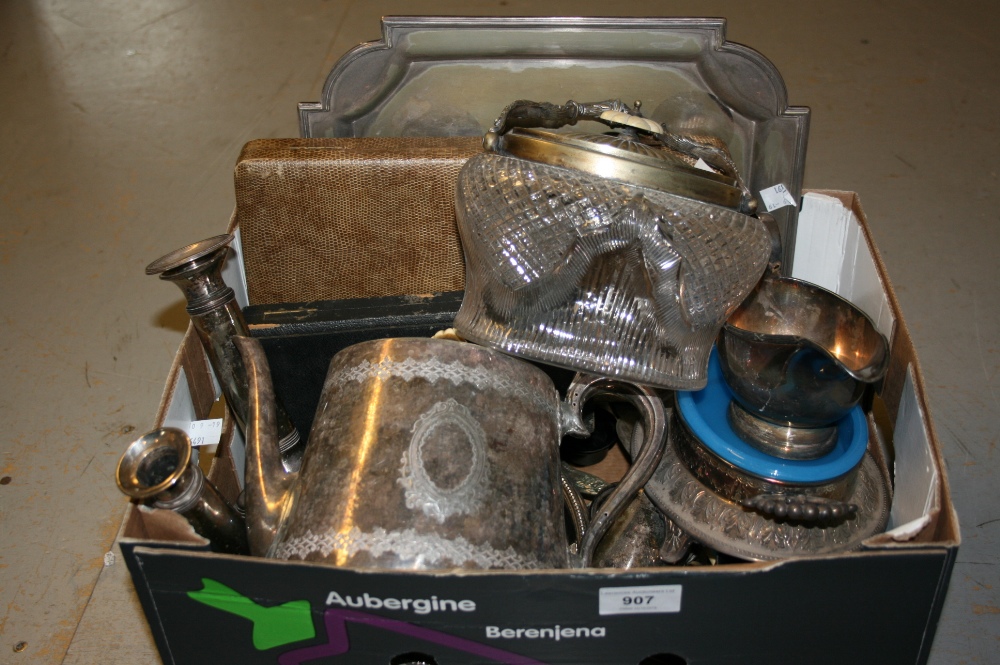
[{"x": 625, "y": 159}]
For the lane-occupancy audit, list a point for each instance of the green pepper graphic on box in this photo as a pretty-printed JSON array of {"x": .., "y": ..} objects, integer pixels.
[
  {"x": 292, "y": 622},
  {"x": 272, "y": 626}
]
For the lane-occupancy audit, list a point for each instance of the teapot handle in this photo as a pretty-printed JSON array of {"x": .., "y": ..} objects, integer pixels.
[{"x": 651, "y": 430}]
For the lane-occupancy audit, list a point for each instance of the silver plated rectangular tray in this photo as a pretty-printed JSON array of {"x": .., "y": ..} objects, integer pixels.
[{"x": 452, "y": 76}]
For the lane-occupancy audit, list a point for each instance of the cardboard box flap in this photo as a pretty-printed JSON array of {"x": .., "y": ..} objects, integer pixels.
[
  {"x": 917, "y": 498},
  {"x": 831, "y": 251},
  {"x": 191, "y": 387},
  {"x": 164, "y": 526}
]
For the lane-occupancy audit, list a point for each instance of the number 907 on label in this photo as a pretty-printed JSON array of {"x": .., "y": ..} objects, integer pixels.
[{"x": 661, "y": 599}]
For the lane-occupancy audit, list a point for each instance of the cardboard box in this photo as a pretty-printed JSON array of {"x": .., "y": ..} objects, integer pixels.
[{"x": 880, "y": 604}]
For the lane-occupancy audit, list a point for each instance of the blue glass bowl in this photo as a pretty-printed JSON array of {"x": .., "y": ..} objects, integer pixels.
[{"x": 704, "y": 412}]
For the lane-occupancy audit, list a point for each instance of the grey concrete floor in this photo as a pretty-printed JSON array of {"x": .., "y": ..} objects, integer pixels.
[{"x": 120, "y": 122}]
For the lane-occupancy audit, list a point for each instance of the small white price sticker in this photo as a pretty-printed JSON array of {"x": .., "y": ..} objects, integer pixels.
[
  {"x": 777, "y": 197},
  {"x": 702, "y": 165},
  {"x": 662, "y": 599},
  {"x": 205, "y": 432}
]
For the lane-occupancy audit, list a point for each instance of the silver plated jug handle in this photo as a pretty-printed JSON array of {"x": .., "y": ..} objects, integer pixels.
[{"x": 651, "y": 430}]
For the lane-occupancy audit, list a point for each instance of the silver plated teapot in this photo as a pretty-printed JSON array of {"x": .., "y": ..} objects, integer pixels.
[{"x": 430, "y": 454}]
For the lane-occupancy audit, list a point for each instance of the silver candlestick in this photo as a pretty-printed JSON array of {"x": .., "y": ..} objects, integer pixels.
[
  {"x": 197, "y": 270},
  {"x": 158, "y": 467}
]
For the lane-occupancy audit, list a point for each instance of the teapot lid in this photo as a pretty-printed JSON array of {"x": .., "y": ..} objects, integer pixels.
[{"x": 627, "y": 157}]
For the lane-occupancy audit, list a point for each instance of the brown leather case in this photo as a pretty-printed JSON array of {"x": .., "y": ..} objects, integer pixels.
[{"x": 330, "y": 219}]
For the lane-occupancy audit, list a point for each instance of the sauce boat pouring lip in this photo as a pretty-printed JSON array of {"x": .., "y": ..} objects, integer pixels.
[{"x": 796, "y": 354}]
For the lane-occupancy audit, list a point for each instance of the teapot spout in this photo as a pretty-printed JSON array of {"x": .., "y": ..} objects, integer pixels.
[{"x": 267, "y": 486}]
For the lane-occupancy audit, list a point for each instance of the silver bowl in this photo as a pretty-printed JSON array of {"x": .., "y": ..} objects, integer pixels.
[{"x": 797, "y": 358}]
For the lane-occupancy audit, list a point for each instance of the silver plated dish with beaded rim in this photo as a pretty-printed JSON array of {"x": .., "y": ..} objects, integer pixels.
[{"x": 728, "y": 526}]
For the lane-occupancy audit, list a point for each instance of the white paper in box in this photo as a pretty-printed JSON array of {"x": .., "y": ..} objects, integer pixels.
[{"x": 831, "y": 251}]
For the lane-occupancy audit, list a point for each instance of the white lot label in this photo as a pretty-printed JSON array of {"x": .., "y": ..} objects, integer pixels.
[
  {"x": 205, "y": 432},
  {"x": 640, "y": 599},
  {"x": 777, "y": 197}
]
